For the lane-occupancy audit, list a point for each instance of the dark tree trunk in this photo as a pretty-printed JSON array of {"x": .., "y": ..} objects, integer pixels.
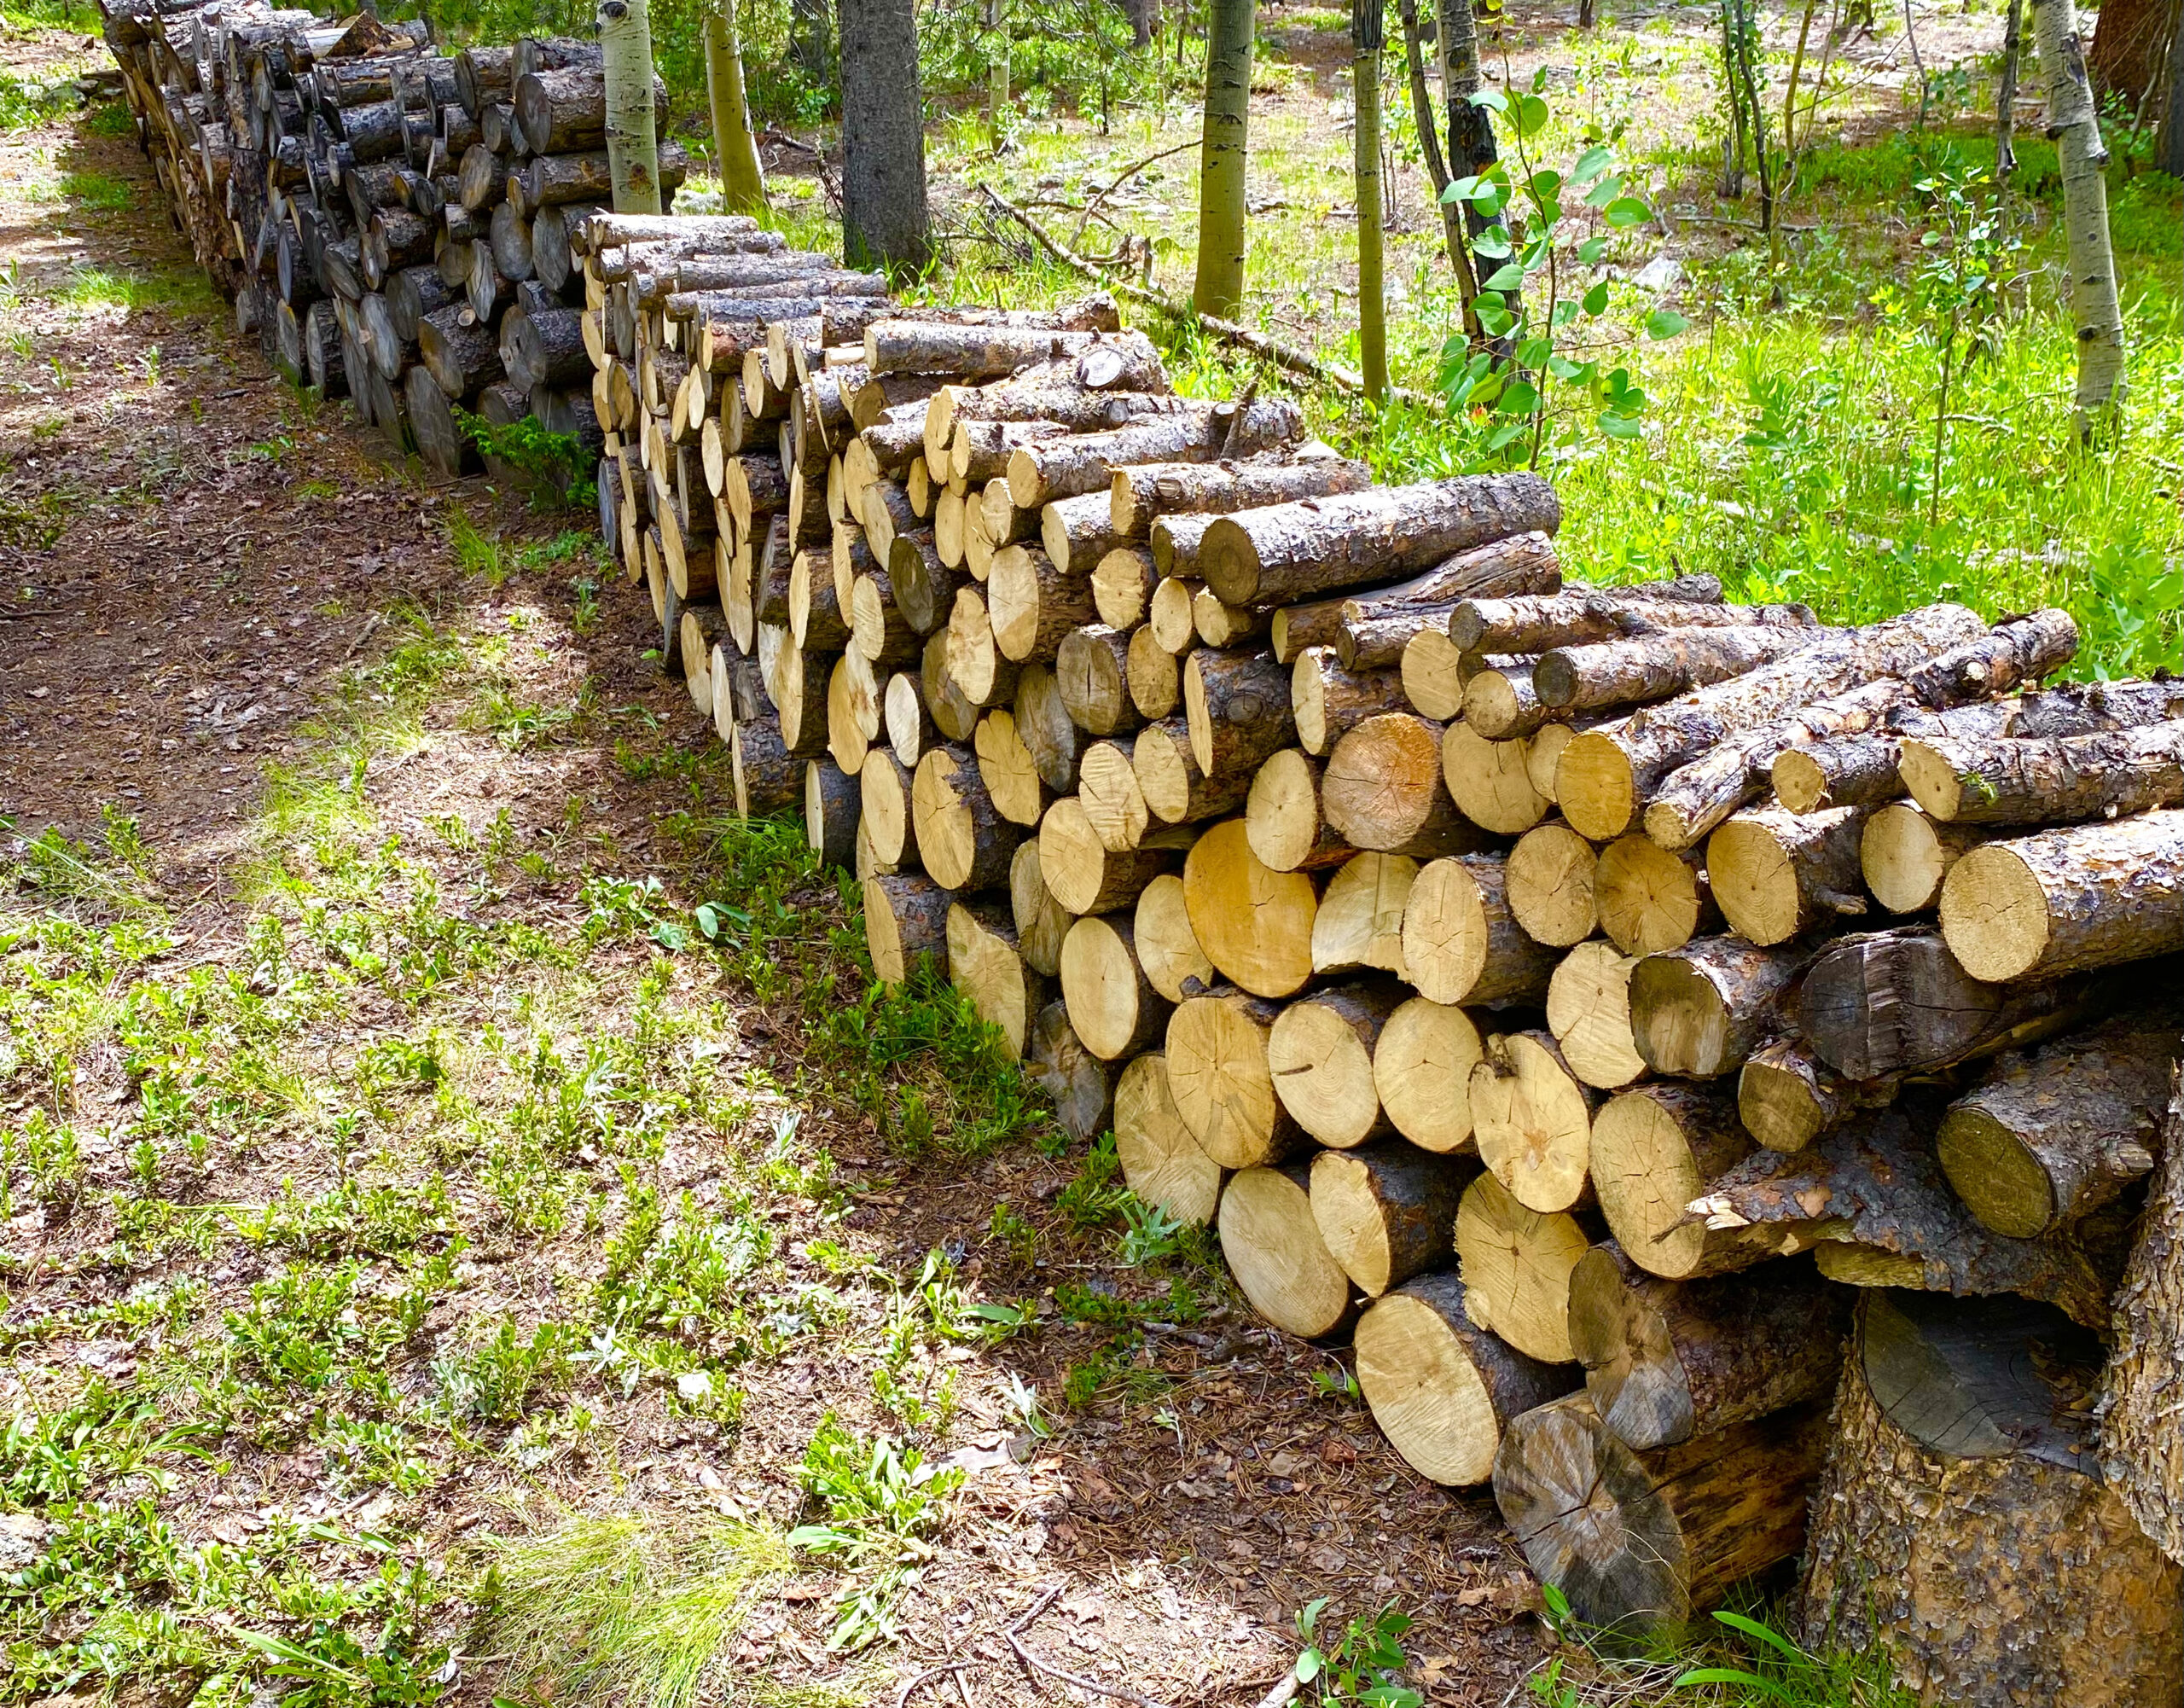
[
  {"x": 2129, "y": 53},
  {"x": 884, "y": 217}
]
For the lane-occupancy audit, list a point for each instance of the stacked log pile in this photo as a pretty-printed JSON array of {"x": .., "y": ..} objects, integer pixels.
[{"x": 1698, "y": 1056}]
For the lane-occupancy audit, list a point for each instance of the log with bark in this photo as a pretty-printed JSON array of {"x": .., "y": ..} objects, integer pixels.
[
  {"x": 1284, "y": 552},
  {"x": 1875, "y": 1183},
  {"x": 1042, "y": 923},
  {"x": 1701, "y": 1009},
  {"x": 1079, "y": 1083},
  {"x": 1669, "y": 1359},
  {"x": 1113, "y": 1005},
  {"x": 1387, "y": 1213},
  {"x": 1007, "y": 769},
  {"x": 1491, "y": 781},
  {"x": 1422, "y": 1069},
  {"x": 1643, "y": 1539},
  {"x": 1254, "y": 924},
  {"x": 1461, "y": 943},
  {"x": 1443, "y": 1390},
  {"x": 1167, "y": 948},
  {"x": 1359, "y": 925},
  {"x": 1606, "y": 775},
  {"x": 1113, "y": 799},
  {"x": 905, "y": 925},
  {"x": 1650, "y": 900},
  {"x": 1085, "y": 875},
  {"x": 1138, "y": 494},
  {"x": 2058, "y": 1130},
  {"x": 1550, "y": 883},
  {"x": 2016, "y": 781},
  {"x": 1776, "y": 875},
  {"x": 961, "y": 837},
  {"x": 1903, "y": 856},
  {"x": 1052, "y": 468},
  {"x": 1965, "y": 1530},
  {"x": 1372, "y": 629},
  {"x": 2142, "y": 1449},
  {"x": 1588, "y": 1014},
  {"x": 1383, "y": 789},
  {"x": 1219, "y": 1075}
]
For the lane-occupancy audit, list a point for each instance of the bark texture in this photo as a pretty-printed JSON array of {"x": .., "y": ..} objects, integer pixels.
[{"x": 884, "y": 218}]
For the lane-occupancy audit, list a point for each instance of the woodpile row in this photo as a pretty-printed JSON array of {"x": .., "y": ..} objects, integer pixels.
[
  {"x": 395, "y": 223},
  {"x": 1711, "y": 1064}
]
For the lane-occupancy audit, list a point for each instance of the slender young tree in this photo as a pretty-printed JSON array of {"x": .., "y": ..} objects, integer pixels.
[
  {"x": 1470, "y": 129},
  {"x": 1224, "y": 147},
  {"x": 742, "y": 180},
  {"x": 997, "y": 49},
  {"x": 632, "y": 146},
  {"x": 2172, "y": 120},
  {"x": 884, "y": 221},
  {"x": 1367, "y": 25},
  {"x": 2076, "y": 127},
  {"x": 2006, "y": 96}
]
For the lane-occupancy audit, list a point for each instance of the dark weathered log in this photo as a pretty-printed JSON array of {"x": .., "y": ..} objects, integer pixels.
[
  {"x": 2054, "y": 1132},
  {"x": 1284, "y": 552},
  {"x": 769, "y": 778},
  {"x": 1787, "y": 1096},
  {"x": 2141, "y": 1452},
  {"x": 563, "y": 111},
  {"x": 1668, "y": 1360},
  {"x": 1443, "y": 1390},
  {"x": 1875, "y": 1183},
  {"x": 1327, "y": 701},
  {"x": 1638, "y": 1540},
  {"x": 1080, "y": 1084},
  {"x": 461, "y": 358},
  {"x": 1898, "y": 1002},
  {"x": 1961, "y": 1482}
]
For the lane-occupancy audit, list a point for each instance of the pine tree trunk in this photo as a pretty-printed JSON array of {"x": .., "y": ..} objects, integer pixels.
[
  {"x": 884, "y": 223},
  {"x": 1366, "y": 27},
  {"x": 1223, "y": 150},
  {"x": 742, "y": 180},
  {"x": 632, "y": 139},
  {"x": 2142, "y": 1449},
  {"x": 2074, "y": 122}
]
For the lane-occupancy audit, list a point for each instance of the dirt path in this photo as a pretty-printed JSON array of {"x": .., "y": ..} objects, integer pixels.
[{"x": 234, "y": 635}]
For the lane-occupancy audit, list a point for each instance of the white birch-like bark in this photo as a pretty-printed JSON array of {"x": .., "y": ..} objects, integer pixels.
[
  {"x": 2074, "y": 125},
  {"x": 632, "y": 145}
]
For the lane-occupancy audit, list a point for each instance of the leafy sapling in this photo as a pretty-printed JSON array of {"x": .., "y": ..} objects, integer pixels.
[{"x": 1530, "y": 308}]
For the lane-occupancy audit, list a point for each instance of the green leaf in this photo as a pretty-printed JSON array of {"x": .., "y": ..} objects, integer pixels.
[
  {"x": 1493, "y": 243},
  {"x": 1591, "y": 164},
  {"x": 1759, "y": 1633},
  {"x": 1308, "y": 1665},
  {"x": 1530, "y": 115},
  {"x": 1492, "y": 100},
  {"x": 1625, "y": 212},
  {"x": 1506, "y": 278},
  {"x": 1495, "y": 319},
  {"x": 1564, "y": 312},
  {"x": 1532, "y": 352},
  {"x": 1521, "y": 399},
  {"x": 1502, "y": 435},
  {"x": 1605, "y": 191},
  {"x": 1570, "y": 373},
  {"x": 1730, "y": 1675},
  {"x": 1664, "y": 323},
  {"x": 1590, "y": 251},
  {"x": 1619, "y": 427},
  {"x": 1544, "y": 184},
  {"x": 1596, "y": 299}
]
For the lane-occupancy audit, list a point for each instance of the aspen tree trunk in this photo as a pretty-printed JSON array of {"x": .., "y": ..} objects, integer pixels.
[
  {"x": 997, "y": 48},
  {"x": 1367, "y": 25},
  {"x": 885, "y": 221},
  {"x": 1429, "y": 141},
  {"x": 742, "y": 181},
  {"x": 632, "y": 146},
  {"x": 1470, "y": 129},
  {"x": 1219, "y": 288},
  {"x": 2072, "y": 121}
]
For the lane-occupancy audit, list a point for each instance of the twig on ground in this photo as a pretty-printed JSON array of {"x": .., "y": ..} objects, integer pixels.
[
  {"x": 1284, "y": 1688},
  {"x": 910, "y": 1686},
  {"x": 363, "y": 635},
  {"x": 1127, "y": 174},
  {"x": 1031, "y": 1663}
]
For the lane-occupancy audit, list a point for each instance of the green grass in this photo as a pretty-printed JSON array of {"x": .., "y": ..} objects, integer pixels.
[{"x": 176, "y": 290}]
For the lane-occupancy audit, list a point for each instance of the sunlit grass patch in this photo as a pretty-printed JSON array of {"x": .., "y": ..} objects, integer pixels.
[{"x": 93, "y": 289}]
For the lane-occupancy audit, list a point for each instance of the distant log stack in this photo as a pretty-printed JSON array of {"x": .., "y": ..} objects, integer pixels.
[{"x": 1583, "y": 995}]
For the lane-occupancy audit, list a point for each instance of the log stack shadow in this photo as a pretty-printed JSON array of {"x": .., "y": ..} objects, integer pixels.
[{"x": 1713, "y": 1063}]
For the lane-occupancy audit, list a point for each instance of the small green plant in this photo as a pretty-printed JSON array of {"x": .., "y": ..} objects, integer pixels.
[
  {"x": 1526, "y": 307},
  {"x": 1008, "y": 1232},
  {"x": 1964, "y": 282},
  {"x": 877, "y": 1516},
  {"x": 1096, "y": 1195},
  {"x": 1358, "y": 1669},
  {"x": 550, "y": 464}
]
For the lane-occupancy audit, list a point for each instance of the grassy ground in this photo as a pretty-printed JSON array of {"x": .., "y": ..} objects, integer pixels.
[{"x": 442, "y": 1264}]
